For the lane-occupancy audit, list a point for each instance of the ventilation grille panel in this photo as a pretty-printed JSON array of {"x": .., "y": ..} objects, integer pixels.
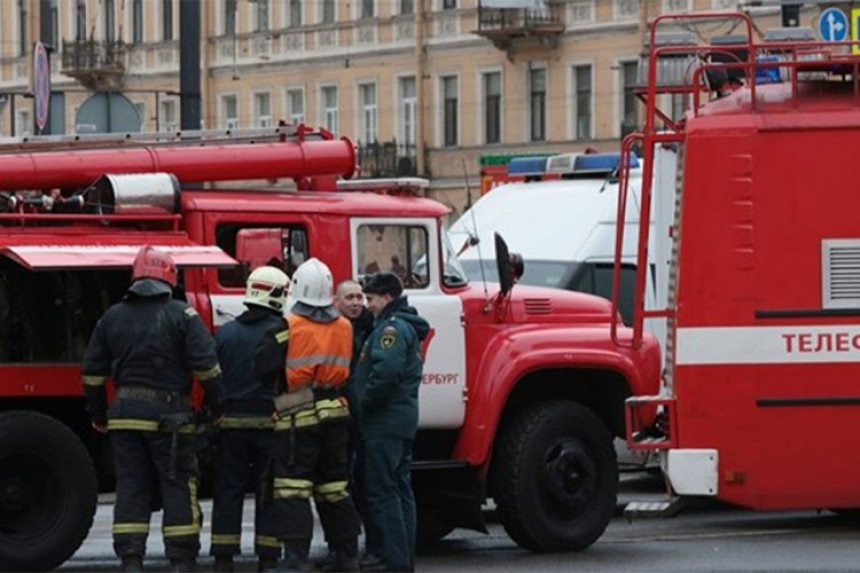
[
  {"x": 840, "y": 265},
  {"x": 538, "y": 306}
]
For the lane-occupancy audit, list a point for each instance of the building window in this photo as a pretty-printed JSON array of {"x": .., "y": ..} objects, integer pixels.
[
  {"x": 140, "y": 106},
  {"x": 367, "y": 102},
  {"x": 295, "y": 13},
  {"x": 55, "y": 24},
  {"x": 449, "y": 111},
  {"x": 296, "y": 106},
  {"x": 407, "y": 7},
  {"x": 81, "y": 20},
  {"x": 110, "y": 20},
  {"x": 229, "y": 17},
  {"x": 23, "y": 122},
  {"x": 408, "y": 103},
  {"x": 367, "y": 9},
  {"x": 626, "y": 9},
  {"x": 328, "y": 12},
  {"x": 137, "y": 22},
  {"x": 629, "y": 110},
  {"x": 329, "y": 101},
  {"x": 262, "y": 21},
  {"x": 168, "y": 116},
  {"x": 166, "y": 20},
  {"x": 677, "y": 5},
  {"x": 263, "y": 109},
  {"x": 492, "y": 107},
  {"x": 582, "y": 89},
  {"x": 23, "y": 24},
  {"x": 537, "y": 101},
  {"x": 449, "y": 4},
  {"x": 230, "y": 111}
]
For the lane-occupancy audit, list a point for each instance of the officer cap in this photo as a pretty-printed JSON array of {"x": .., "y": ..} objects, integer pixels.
[{"x": 383, "y": 283}]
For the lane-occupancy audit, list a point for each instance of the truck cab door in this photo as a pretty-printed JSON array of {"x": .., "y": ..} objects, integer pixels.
[{"x": 410, "y": 247}]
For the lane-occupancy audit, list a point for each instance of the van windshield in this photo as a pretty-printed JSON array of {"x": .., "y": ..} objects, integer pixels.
[{"x": 589, "y": 277}]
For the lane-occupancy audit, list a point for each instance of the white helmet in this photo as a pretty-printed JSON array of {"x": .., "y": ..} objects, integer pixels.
[
  {"x": 267, "y": 287},
  {"x": 312, "y": 284}
]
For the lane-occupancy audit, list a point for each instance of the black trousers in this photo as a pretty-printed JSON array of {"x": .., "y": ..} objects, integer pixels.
[
  {"x": 143, "y": 462},
  {"x": 312, "y": 461},
  {"x": 242, "y": 456}
]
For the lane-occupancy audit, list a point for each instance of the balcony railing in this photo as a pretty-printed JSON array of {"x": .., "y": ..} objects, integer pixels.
[
  {"x": 503, "y": 25},
  {"x": 387, "y": 159},
  {"x": 94, "y": 63}
]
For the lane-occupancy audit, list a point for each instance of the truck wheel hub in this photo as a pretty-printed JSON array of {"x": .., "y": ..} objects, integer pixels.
[{"x": 569, "y": 478}]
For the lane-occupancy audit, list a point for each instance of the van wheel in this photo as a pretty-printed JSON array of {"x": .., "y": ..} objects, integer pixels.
[
  {"x": 555, "y": 477},
  {"x": 48, "y": 492}
]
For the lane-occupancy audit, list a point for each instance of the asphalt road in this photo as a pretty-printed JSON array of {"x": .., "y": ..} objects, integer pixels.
[{"x": 704, "y": 537}]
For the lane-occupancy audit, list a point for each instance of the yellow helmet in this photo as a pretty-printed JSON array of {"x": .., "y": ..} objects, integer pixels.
[{"x": 267, "y": 287}]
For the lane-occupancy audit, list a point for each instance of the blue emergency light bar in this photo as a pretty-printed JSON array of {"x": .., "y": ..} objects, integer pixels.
[
  {"x": 601, "y": 162},
  {"x": 527, "y": 165}
]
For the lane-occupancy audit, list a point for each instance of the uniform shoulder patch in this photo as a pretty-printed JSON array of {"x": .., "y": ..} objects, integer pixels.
[
  {"x": 388, "y": 338},
  {"x": 282, "y": 336},
  {"x": 190, "y": 311}
]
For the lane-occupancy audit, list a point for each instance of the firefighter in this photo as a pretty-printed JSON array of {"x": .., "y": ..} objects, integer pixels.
[
  {"x": 387, "y": 380},
  {"x": 312, "y": 424},
  {"x": 150, "y": 344},
  {"x": 246, "y": 438}
]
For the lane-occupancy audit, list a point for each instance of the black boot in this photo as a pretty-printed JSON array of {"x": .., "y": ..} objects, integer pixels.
[
  {"x": 346, "y": 557},
  {"x": 223, "y": 564},
  {"x": 297, "y": 551},
  {"x": 132, "y": 563},
  {"x": 182, "y": 565},
  {"x": 267, "y": 565}
]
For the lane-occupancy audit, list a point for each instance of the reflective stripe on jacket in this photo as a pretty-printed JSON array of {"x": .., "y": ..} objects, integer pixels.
[{"x": 319, "y": 353}]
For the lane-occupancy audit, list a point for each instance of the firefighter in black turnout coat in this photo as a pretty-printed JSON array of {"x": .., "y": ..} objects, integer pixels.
[{"x": 151, "y": 345}]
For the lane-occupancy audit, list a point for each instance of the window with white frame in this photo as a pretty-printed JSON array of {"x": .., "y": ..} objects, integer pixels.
[
  {"x": 626, "y": 9},
  {"x": 367, "y": 103},
  {"x": 81, "y": 20},
  {"x": 166, "y": 20},
  {"x": 261, "y": 15},
  {"x": 263, "y": 109},
  {"x": 229, "y": 17},
  {"x": 327, "y": 12},
  {"x": 407, "y": 7},
  {"x": 677, "y": 5},
  {"x": 110, "y": 20},
  {"x": 23, "y": 122},
  {"x": 329, "y": 106},
  {"x": 137, "y": 22},
  {"x": 629, "y": 106},
  {"x": 582, "y": 12},
  {"x": 450, "y": 111},
  {"x": 296, "y": 105},
  {"x": 367, "y": 8},
  {"x": 537, "y": 104},
  {"x": 295, "y": 14},
  {"x": 408, "y": 102},
  {"x": 230, "y": 111},
  {"x": 168, "y": 118},
  {"x": 492, "y": 86},
  {"x": 582, "y": 101}
]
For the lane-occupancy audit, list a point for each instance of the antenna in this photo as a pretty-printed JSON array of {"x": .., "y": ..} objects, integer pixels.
[{"x": 474, "y": 239}]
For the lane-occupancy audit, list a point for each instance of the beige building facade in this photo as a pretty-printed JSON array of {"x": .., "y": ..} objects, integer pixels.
[{"x": 425, "y": 87}]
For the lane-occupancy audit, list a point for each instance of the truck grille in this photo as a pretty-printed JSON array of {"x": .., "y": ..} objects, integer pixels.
[{"x": 538, "y": 306}]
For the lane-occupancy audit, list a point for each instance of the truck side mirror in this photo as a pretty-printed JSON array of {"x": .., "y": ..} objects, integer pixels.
[{"x": 503, "y": 265}]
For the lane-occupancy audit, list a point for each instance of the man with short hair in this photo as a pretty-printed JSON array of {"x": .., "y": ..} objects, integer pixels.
[
  {"x": 246, "y": 436},
  {"x": 151, "y": 344},
  {"x": 387, "y": 378}
]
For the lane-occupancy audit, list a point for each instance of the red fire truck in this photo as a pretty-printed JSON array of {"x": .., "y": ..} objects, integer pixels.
[
  {"x": 523, "y": 387},
  {"x": 759, "y": 403}
]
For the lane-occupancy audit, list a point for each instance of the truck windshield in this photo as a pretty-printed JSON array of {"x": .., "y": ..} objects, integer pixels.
[{"x": 453, "y": 274}]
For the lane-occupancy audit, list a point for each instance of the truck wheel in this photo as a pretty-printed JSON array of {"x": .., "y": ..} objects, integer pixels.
[
  {"x": 555, "y": 477},
  {"x": 48, "y": 492}
]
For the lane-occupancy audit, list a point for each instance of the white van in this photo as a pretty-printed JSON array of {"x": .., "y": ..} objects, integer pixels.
[{"x": 565, "y": 231}]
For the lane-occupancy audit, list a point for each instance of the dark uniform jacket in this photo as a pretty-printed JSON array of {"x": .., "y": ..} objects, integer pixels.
[
  {"x": 361, "y": 328},
  {"x": 389, "y": 372},
  {"x": 151, "y": 343},
  {"x": 247, "y": 393}
]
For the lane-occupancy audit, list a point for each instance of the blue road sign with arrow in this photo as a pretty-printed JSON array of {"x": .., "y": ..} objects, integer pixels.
[{"x": 833, "y": 25}]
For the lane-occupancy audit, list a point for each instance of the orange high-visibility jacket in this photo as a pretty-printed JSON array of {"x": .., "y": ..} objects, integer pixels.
[{"x": 319, "y": 353}]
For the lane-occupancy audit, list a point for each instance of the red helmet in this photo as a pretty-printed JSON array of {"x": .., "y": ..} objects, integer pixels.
[{"x": 153, "y": 264}]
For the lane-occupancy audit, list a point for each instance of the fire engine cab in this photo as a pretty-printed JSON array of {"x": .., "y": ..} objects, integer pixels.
[
  {"x": 759, "y": 404},
  {"x": 523, "y": 387}
]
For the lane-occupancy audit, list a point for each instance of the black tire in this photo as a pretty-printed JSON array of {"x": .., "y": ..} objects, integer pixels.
[
  {"x": 555, "y": 477},
  {"x": 48, "y": 492}
]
